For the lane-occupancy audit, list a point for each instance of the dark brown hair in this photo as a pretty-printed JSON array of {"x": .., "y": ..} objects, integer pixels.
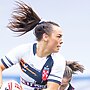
[
  {"x": 75, "y": 66},
  {"x": 24, "y": 19},
  {"x": 71, "y": 68}
]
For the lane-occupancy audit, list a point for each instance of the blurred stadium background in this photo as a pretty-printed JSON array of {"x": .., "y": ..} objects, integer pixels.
[{"x": 79, "y": 81}]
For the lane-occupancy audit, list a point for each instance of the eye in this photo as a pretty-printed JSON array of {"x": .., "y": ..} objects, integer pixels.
[{"x": 59, "y": 36}]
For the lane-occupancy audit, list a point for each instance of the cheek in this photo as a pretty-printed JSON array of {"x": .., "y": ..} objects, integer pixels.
[{"x": 53, "y": 44}]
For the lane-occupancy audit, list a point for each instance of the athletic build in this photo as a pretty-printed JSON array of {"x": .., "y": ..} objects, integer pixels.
[
  {"x": 42, "y": 65},
  {"x": 35, "y": 70}
]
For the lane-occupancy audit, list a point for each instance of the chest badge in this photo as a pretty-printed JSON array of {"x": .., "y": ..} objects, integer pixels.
[{"x": 45, "y": 73}]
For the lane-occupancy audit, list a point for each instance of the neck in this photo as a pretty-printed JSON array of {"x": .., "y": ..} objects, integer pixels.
[{"x": 42, "y": 50}]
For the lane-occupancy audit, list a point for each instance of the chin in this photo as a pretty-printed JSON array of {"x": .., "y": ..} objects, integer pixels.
[{"x": 56, "y": 51}]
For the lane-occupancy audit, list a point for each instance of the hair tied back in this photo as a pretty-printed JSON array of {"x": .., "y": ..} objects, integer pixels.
[{"x": 23, "y": 19}]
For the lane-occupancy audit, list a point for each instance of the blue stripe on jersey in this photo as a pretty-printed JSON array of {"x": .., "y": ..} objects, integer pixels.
[
  {"x": 34, "y": 48},
  {"x": 36, "y": 75},
  {"x": 30, "y": 71},
  {"x": 54, "y": 76},
  {"x": 54, "y": 81},
  {"x": 4, "y": 63},
  {"x": 9, "y": 60},
  {"x": 47, "y": 68}
]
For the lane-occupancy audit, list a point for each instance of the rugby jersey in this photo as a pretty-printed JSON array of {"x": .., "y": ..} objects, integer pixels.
[{"x": 33, "y": 68}]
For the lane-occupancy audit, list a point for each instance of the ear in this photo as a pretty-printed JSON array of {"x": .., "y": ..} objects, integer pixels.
[{"x": 45, "y": 37}]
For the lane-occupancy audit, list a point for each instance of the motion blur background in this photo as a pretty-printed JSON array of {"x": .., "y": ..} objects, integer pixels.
[{"x": 72, "y": 15}]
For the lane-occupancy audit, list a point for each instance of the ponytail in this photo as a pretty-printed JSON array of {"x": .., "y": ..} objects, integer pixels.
[
  {"x": 75, "y": 66},
  {"x": 23, "y": 19}
]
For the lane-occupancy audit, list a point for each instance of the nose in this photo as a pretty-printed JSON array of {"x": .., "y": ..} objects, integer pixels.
[{"x": 61, "y": 41}]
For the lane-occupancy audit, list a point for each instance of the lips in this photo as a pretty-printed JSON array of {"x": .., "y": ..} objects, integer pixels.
[{"x": 59, "y": 46}]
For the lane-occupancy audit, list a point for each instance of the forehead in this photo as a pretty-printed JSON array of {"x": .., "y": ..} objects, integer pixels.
[{"x": 57, "y": 30}]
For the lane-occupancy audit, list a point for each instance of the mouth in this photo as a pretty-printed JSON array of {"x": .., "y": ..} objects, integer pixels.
[
  {"x": 58, "y": 47},
  {"x": 60, "y": 44}
]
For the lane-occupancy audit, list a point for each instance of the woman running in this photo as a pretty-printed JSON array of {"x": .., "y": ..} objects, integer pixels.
[{"x": 42, "y": 65}]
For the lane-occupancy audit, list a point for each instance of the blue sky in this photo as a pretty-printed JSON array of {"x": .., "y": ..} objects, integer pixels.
[{"x": 72, "y": 15}]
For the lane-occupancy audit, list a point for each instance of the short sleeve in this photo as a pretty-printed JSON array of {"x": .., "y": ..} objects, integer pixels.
[
  {"x": 58, "y": 68},
  {"x": 14, "y": 55}
]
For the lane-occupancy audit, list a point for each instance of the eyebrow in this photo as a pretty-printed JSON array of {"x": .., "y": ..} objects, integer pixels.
[{"x": 60, "y": 34}]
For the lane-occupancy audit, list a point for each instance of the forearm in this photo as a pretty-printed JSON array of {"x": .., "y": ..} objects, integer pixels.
[
  {"x": 54, "y": 87},
  {"x": 46, "y": 89},
  {"x": 0, "y": 77},
  {"x": 2, "y": 67},
  {"x": 63, "y": 87},
  {"x": 49, "y": 89}
]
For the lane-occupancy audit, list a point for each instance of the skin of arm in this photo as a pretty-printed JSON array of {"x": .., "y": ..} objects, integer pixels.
[
  {"x": 52, "y": 86},
  {"x": 2, "y": 67}
]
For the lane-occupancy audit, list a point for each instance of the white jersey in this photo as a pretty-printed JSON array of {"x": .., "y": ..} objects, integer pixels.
[{"x": 34, "y": 70}]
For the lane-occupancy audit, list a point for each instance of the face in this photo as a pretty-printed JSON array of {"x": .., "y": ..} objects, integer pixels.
[
  {"x": 55, "y": 39},
  {"x": 65, "y": 82}
]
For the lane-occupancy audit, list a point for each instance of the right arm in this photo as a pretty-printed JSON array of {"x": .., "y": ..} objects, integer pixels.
[
  {"x": 52, "y": 86},
  {"x": 11, "y": 58},
  {"x": 2, "y": 67}
]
